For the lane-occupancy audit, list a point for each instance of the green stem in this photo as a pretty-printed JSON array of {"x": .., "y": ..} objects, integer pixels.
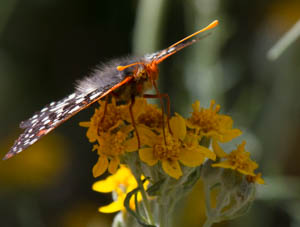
[
  {"x": 145, "y": 202},
  {"x": 207, "y": 200}
]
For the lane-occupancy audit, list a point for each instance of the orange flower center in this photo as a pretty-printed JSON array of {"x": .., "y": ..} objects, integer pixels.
[
  {"x": 169, "y": 151},
  {"x": 241, "y": 159},
  {"x": 206, "y": 119},
  {"x": 112, "y": 144},
  {"x": 112, "y": 116},
  {"x": 151, "y": 117}
]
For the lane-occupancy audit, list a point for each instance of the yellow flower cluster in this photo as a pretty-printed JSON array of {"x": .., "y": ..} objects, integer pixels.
[
  {"x": 187, "y": 143},
  {"x": 115, "y": 136}
]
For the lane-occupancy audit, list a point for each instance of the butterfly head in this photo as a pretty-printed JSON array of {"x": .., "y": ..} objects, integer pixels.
[{"x": 143, "y": 70}]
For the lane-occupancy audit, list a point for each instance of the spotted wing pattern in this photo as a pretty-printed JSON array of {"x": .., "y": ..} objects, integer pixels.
[{"x": 51, "y": 116}]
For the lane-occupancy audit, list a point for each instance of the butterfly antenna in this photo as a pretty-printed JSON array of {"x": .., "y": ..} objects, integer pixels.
[
  {"x": 182, "y": 44},
  {"x": 121, "y": 68}
]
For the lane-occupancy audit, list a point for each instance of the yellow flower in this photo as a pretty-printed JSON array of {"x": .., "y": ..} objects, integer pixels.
[
  {"x": 239, "y": 160},
  {"x": 120, "y": 184},
  {"x": 208, "y": 123},
  {"x": 112, "y": 146},
  {"x": 179, "y": 147},
  {"x": 145, "y": 114},
  {"x": 151, "y": 117},
  {"x": 112, "y": 119}
]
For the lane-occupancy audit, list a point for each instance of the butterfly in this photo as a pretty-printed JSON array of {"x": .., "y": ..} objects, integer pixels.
[{"x": 125, "y": 77}]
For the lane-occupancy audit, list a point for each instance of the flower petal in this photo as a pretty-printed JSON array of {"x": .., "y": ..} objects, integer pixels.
[
  {"x": 196, "y": 106},
  {"x": 195, "y": 156},
  {"x": 206, "y": 152},
  {"x": 258, "y": 179},
  {"x": 139, "y": 106},
  {"x": 137, "y": 109},
  {"x": 172, "y": 168},
  {"x": 226, "y": 120},
  {"x": 91, "y": 134},
  {"x": 105, "y": 186},
  {"x": 245, "y": 172},
  {"x": 111, "y": 208},
  {"x": 101, "y": 166},
  {"x": 191, "y": 158},
  {"x": 85, "y": 124},
  {"x": 146, "y": 155},
  {"x": 131, "y": 145},
  {"x": 229, "y": 135},
  {"x": 228, "y": 165},
  {"x": 127, "y": 128},
  {"x": 225, "y": 164},
  {"x": 218, "y": 150},
  {"x": 147, "y": 136},
  {"x": 178, "y": 126},
  {"x": 113, "y": 165}
]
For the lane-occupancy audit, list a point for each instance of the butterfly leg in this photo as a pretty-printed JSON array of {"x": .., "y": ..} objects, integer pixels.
[
  {"x": 133, "y": 121},
  {"x": 160, "y": 96}
]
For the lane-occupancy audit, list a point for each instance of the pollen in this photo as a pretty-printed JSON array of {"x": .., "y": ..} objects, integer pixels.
[
  {"x": 239, "y": 160},
  {"x": 104, "y": 120},
  {"x": 112, "y": 144},
  {"x": 206, "y": 119},
  {"x": 110, "y": 119},
  {"x": 211, "y": 124},
  {"x": 151, "y": 117},
  {"x": 162, "y": 151}
]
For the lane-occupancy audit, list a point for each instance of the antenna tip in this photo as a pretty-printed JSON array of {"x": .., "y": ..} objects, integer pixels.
[
  {"x": 213, "y": 24},
  {"x": 120, "y": 68}
]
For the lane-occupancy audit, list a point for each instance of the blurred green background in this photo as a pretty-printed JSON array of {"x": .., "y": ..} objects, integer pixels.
[{"x": 46, "y": 45}]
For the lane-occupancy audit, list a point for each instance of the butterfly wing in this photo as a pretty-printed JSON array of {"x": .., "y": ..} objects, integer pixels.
[{"x": 54, "y": 114}]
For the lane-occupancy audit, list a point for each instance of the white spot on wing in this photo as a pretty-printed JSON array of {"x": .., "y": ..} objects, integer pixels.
[
  {"x": 45, "y": 119},
  {"x": 59, "y": 106},
  {"x": 74, "y": 109},
  {"x": 72, "y": 96},
  {"x": 33, "y": 141},
  {"x": 95, "y": 95},
  {"x": 79, "y": 100}
]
